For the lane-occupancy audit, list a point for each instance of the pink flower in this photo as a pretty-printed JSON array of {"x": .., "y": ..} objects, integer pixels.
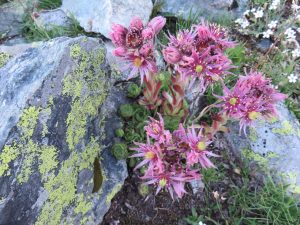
[
  {"x": 183, "y": 42},
  {"x": 251, "y": 98},
  {"x": 152, "y": 155},
  {"x": 213, "y": 36},
  {"x": 171, "y": 55},
  {"x": 118, "y": 35},
  {"x": 172, "y": 182},
  {"x": 155, "y": 129},
  {"x": 157, "y": 23},
  {"x": 135, "y": 45},
  {"x": 206, "y": 68}
]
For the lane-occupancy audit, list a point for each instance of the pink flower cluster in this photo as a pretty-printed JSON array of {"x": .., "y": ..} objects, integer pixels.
[
  {"x": 251, "y": 98},
  {"x": 173, "y": 159},
  {"x": 199, "y": 53},
  {"x": 135, "y": 45}
]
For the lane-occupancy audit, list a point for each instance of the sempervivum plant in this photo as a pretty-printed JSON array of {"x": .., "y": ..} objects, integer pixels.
[{"x": 174, "y": 152}]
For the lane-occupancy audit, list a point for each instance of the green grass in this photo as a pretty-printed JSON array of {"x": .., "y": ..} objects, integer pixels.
[
  {"x": 267, "y": 204},
  {"x": 270, "y": 205},
  {"x": 33, "y": 32},
  {"x": 49, "y": 4}
]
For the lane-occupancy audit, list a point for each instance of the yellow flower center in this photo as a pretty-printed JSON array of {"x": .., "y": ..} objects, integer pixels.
[
  {"x": 199, "y": 68},
  {"x": 232, "y": 101},
  {"x": 163, "y": 182},
  {"x": 149, "y": 155},
  {"x": 253, "y": 115},
  {"x": 156, "y": 130},
  {"x": 137, "y": 62},
  {"x": 201, "y": 145}
]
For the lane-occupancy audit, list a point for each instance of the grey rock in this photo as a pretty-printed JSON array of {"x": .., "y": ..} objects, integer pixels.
[
  {"x": 17, "y": 49},
  {"x": 264, "y": 44},
  {"x": 58, "y": 109},
  {"x": 99, "y": 15},
  {"x": 49, "y": 19},
  {"x": 273, "y": 145},
  {"x": 205, "y": 8},
  {"x": 11, "y": 14}
]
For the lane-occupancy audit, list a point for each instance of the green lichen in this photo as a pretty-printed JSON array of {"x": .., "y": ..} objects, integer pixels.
[
  {"x": 30, "y": 152},
  {"x": 8, "y": 154},
  {"x": 75, "y": 51},
  {"x": 82, "y": 205},
  {"x": 253, "y": 134},
  {"x": 28, "y": 121},
  {"x": 112, "y": 194},
  {"x": 48, "y": 160},
  {"x": 292, "y": 180},
  {"x": 87, "y": 89},
  {"x": 249, "y": 154},
  {"x": 3, "y": 58},
  {"x": 286, "y": 129}
]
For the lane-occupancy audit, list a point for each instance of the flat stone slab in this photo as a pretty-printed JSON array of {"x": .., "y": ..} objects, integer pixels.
[
  {"x": 99, "y": 15},
  {"x": 273, "y": 145}
]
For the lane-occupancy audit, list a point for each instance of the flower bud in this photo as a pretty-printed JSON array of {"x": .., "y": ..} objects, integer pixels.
[
  {"x": 148, "y": 33},
  {"x": 120, "y": 52},
  {"x": 171, "y": 55},
  {"x": 137, "y": 23},
  {"x": 157, "y": 23},
  {"x": 118, "y": 35}
]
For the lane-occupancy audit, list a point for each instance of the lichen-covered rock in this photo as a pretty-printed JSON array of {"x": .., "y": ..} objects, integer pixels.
[
  {"x": 99, "y": 15},
  {"x": 273, "y": 145},
  {"x": 206, "y": 8},
  {"x": 57, "y": 109}
]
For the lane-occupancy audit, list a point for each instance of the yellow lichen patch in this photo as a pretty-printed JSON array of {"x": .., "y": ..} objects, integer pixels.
[
  {"x": 82, "y": 206},
  {"x": 87, "y": 89},
  {"x": 47, "y": 160},
  {"x": 249, "y": 154},
  {"x": 112, "y": 194},
  {"x": 286, "y": 129},
  {"x": 30, "y": 151},
  {"x": 292, "y": 180},
  {"x": 253, "y": 134},
  {"x": 3, "y": 58},
  {"x": 28, "y": 121},
  {"x": 75, "y": 51},
  {"x": 8, "y": 154}
]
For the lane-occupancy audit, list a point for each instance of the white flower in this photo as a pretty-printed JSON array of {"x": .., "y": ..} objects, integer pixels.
[
  {"x": 273, "y": 24},
  {"x": 296, "y": 53},
  {"x": 290, "y": 33},
  {"x": 253, "y": 10},
  {"x": 243, "y": 22},
  {"x": 267, "y": 33},
  {"x": 274, "y": 4},
  {"x": 259, "y": 13},
  {"x": 246, "y": 12},
  {"x": 201, "y": 223},
  {"x": 295, "y": 7},
  {"x": 292, "y": 78},
  {"x": 298, "y": 29}
]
